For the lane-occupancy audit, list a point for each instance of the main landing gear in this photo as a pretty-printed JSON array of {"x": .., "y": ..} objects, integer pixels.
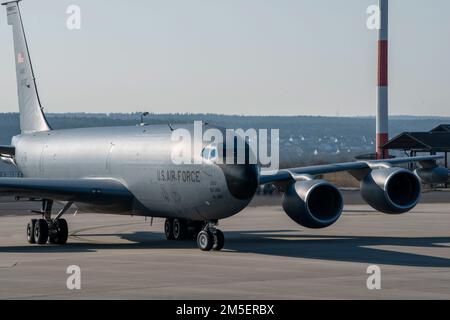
[
  {"x": 207, "y": 235},
  {"x": 54, "y": 231}
]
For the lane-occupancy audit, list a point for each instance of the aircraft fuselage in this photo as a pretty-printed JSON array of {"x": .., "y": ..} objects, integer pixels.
[{"x": 140, "y": 157}]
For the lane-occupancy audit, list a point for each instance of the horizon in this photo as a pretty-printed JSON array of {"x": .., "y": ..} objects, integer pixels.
[{"x": 138, "y": 113}]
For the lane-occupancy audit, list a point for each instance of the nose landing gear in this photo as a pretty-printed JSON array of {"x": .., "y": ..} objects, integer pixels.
[{"x": 210, "y": 238}]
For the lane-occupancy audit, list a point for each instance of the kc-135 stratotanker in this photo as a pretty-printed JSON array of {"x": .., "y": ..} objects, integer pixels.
[{"x": 130, "y": 170}]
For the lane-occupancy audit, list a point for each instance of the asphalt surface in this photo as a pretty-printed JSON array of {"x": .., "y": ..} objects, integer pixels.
[{"x": 266, "y": 256}]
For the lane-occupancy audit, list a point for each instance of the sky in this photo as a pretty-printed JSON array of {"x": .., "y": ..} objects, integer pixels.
[{"x": 250, "y": 57}]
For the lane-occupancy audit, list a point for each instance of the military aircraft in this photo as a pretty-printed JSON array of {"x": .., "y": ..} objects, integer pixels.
[{"x": 129, "y": 171}]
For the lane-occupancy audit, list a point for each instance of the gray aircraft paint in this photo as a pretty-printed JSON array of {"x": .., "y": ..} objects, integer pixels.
[{"x": 134, "y": 156}]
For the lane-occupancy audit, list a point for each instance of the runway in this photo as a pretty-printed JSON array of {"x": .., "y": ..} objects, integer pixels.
[{"x": 266, "y": 256}]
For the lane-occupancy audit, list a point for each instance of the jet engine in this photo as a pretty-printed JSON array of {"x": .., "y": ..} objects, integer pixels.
[
  {"x": 313, "y": 204},
  {"x": 433, "y": 175},
  {"x": 391, "y": 190}
]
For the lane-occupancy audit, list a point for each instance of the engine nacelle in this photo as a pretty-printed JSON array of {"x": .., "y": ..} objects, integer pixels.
[
  {"x": 391, "y": 190},
  {"x": 433, "y": 175},
  {"x": 313, "y": 204}
]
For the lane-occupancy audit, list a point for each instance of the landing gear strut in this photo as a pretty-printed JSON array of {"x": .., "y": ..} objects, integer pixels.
[{"x": 50, "y": 230}]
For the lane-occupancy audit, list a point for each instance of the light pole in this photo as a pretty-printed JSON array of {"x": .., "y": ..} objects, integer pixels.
[{"x": 382, "y": 136}]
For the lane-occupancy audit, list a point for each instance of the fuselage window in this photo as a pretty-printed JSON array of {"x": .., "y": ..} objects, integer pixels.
[{"x": 213, "y": 154}]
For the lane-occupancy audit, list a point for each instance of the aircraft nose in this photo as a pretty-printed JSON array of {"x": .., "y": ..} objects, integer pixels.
[{"x": 242, "y": 179}]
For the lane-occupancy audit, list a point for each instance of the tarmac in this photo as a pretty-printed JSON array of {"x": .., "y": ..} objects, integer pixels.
[{"x": 266, "y": 256}]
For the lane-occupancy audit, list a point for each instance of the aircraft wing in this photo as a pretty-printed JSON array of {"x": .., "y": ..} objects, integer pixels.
[
  {"x": 357, "y": 168},
  {"x": 90, "y": 190}
]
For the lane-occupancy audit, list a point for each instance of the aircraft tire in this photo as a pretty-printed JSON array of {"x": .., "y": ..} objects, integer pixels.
[
  {"x": 30, "y": 231},
  {"x": 41, "y": 231},
  {"x": 168, "y": 229},
  {"x": 179, "y": 229},
  {"x": 62, "y": 232},
  {"x": 219, "y": 240},
  {"x": 205, "y": 240}
]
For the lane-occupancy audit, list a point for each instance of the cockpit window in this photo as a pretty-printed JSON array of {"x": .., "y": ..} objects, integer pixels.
[
  {"x": 213, "y": 154},
  {"x": 210, "y": 153}
]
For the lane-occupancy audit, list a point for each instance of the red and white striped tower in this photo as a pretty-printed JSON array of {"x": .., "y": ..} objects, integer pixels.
[{"x": 382, "y": 97}]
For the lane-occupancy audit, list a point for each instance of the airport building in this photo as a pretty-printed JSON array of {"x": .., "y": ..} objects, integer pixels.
[{"x": 436, "y": 141}]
